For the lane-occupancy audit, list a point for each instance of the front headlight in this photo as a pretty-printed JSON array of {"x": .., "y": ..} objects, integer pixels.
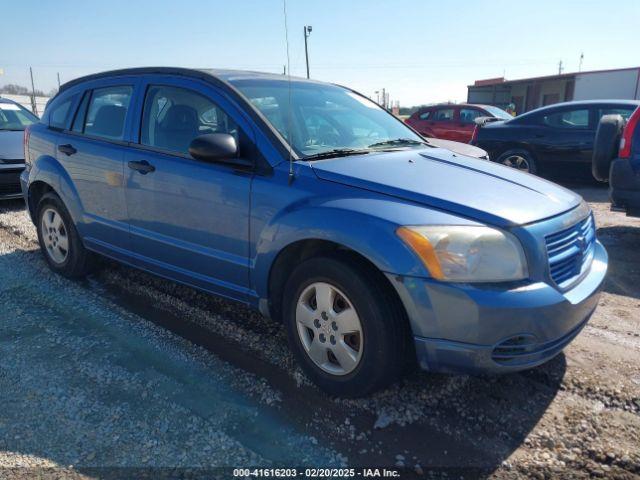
[{"x": 467, "y": 253}]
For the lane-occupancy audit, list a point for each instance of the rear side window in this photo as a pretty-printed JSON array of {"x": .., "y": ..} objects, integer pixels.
[
  {"x": 444, "y": 115},
  {"x": 107, "y": 112},
  {"x": 568, "y": 119},
  {"x": 624, "y": 112},
  {"x": 173, "y": 117},
  {"x": 59, "y": 116}
]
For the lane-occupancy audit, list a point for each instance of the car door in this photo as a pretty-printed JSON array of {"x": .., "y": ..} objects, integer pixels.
[
  {"x": 467, "y": 122},
  {"x": 188, "y": 218},
  {"x": 442, "y": 123},
  {"x": 92, "y": 153},
  {"x": 565, "y": 136},
  {"x": 422, "y": 122}
]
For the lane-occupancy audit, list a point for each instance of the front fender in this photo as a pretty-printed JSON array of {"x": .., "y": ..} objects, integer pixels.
[
  {"x": 47, "y": 169},
  {"x": 365, "y": 225}
]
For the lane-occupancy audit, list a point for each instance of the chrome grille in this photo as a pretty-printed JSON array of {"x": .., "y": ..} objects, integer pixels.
[{"x": 570, "y": 252}]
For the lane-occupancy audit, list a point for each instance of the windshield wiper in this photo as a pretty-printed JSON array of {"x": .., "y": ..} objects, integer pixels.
[
  {"x": 397, "y": 142},
  {"x": 336, "y": 152}
]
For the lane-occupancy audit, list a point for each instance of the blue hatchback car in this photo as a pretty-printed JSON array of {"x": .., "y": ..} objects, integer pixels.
[{"x": 309, "y": 202}]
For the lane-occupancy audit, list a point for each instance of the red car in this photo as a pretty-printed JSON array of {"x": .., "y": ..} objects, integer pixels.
[{"x": 452, "y": 122}]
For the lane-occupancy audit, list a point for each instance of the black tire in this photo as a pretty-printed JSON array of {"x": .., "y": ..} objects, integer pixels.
[
  {"x": 605, "y": 145},
  {"x": 385, "y": 344},
  {"x": 506, "y": 157},
  {"x": 78, "y": 261}
]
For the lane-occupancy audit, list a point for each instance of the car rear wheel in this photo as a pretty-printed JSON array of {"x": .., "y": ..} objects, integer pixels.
[
  {"x": 518, "y": 159},
  {"x": 343, "y": 327},
  {"x": 605, "y": 145},
  {"x": 59, "y": 241}
]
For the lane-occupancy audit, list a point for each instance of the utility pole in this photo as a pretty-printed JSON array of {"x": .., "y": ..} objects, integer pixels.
[
  {"x": 384, "y": 98},
  {"x": 377, "y": 92},
  {"x": 58, "y": 80},
  {"x": 307, "y": 32},
  {"x": 34, "y": 107},
  {"x": 560, "y": 68},
  {"x": 581, "y": 59}
]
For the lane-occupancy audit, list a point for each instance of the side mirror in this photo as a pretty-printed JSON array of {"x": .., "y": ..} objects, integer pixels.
[{"x": 216, "y": 148}]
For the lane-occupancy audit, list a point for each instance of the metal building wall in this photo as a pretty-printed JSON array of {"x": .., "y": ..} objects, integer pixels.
[{"x": 621, "y": 84}]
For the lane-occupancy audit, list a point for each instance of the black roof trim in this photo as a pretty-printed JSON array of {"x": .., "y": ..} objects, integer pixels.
[{"x": 187, "y": 72}]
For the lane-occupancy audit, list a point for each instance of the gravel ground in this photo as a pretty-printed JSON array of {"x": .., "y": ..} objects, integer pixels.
[{"x": 128, "y": 370}]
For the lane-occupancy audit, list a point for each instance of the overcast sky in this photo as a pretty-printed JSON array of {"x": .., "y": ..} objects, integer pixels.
[{"x": 421, "y": 51}]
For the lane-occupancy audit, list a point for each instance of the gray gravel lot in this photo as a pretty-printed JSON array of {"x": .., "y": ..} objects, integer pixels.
[{"x": 128, "y": 370}]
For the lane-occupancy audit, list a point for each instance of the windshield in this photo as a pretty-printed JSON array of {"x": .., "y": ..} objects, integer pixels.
[
  {"x": 13, "y": 117},
  {"x": 498, "y": 112},
  {"x": 326, "y": 118}
]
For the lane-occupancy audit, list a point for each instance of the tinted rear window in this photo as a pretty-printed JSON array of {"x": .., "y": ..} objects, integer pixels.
[
  {"x": 59, "y": 116},
  {"x": 625, "y": 112},
  {"x": 443, "y": 115},
  {"x": 107, "y": 112}
]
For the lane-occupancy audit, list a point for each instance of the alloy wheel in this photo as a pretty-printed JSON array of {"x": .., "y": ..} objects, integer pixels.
[
  {"x": 329, "y": 328},
  {"x": 518, "y": 162},
  {"x": 55, "y": 236}
]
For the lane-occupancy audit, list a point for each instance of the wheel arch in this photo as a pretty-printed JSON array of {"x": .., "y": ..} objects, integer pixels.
[
  {"x": 36, "y": 191},
  {"x": 301, "y": 250},
  {"x": 295, "y": 253},
  {"x": 49, "y": 175}
]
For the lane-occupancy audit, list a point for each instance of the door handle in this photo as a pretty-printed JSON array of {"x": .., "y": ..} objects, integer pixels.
[
  {"x": 67, "y": 149},
  {"x": 142, "y": 166}
]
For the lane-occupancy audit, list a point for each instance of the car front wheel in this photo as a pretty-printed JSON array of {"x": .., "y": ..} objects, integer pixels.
[
  {"x": 518, "y": 159},
  {"x": 347, "y": 331}
]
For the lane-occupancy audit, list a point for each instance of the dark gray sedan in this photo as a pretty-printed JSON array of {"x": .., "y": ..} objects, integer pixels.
[
  {"x": 14, "y": 118},
  {"x": 556, "y": 137}
]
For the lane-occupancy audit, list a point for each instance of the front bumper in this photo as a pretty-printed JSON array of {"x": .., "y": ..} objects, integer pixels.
[
  {"x": 490, "y": 329},
  {"x": 624, "y": 187},
  {"x": 10, "y": 181}
]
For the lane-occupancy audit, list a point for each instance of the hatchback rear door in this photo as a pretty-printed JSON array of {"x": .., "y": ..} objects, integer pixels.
[{"x": 91, "y": 148}]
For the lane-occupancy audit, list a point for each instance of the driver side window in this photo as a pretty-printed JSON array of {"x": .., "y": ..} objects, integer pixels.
[{"x": 174, "y": 116}]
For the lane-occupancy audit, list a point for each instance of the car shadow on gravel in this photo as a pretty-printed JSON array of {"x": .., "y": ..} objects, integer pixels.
[
  {"x": 622, "y": 244},
  {"x": 459, "y": 424},
  {"x": 12, "y": 205}
]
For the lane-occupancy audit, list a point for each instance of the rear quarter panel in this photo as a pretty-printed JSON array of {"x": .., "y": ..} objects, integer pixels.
[{"x": 497, "y": 138}]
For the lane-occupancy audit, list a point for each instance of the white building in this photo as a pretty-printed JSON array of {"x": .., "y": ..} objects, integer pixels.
[{"x": 530, "y": 93}]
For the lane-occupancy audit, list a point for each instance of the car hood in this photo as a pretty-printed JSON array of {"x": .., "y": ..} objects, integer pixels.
[
  {"x": 11, "y": 147},
  {"x": 465, "y": 186}
]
